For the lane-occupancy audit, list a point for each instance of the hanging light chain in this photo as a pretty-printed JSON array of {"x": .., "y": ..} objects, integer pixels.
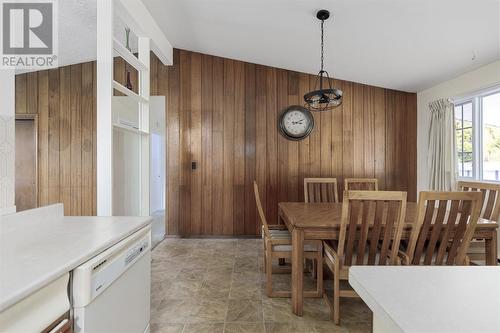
[{"x": 322, "y": 44}]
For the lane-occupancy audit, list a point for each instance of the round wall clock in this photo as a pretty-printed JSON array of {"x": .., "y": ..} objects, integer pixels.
[{"x": 296, "y": 122}]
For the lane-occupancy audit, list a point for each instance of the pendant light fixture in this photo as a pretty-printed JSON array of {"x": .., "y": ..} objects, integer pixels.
[{"x": 326, "y": 97}]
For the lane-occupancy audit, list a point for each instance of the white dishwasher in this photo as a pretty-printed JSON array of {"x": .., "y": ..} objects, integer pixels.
[{"x": 111, "y": 292}]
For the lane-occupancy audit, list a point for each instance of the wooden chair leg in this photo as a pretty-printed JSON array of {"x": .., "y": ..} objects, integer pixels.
[
  {"x": 319, "y": 274},
  {"x": 336, "y": 295},
  {"x": 265, "y": 260},
  {"x": 269, "y": 272}
]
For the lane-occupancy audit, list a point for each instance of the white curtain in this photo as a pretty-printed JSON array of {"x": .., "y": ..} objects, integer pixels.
[{"x": 442, "y": 155}]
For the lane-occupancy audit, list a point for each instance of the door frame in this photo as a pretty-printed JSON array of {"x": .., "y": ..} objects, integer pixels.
[{"x": 33, "y": 117}]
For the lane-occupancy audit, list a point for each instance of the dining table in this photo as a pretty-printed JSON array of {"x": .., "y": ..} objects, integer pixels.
[{"x": 313, "y": 221}]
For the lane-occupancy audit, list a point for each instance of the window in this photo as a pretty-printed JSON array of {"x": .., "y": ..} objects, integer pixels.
[{"x": 477, "y": 130}]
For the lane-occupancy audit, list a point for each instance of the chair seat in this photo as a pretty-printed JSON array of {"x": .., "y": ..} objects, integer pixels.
[
  {"x": 288, "y": 248},
  {"x": 333, "y": 245},
  {"x": 279, "y": 234}
]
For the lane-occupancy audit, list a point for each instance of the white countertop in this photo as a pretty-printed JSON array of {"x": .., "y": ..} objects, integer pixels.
[
  {"x": 431, "y": 299},
  {"x": 37, "y": 249}
]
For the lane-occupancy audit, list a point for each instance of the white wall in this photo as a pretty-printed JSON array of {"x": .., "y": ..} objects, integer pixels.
[
  {"x": 481, "y": 78},
  {"x": 7, "y": 142}
]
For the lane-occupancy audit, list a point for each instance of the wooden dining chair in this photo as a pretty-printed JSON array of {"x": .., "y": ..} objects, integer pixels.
[
  {"x": 278, "y": 245},
  {"x": 444, "y": 225},
  {"x": 361, "y": 184},
  {"x": 490, "y": 210},
  {"x": 370, "y": 232},
  {"x": 321, "y": 190}
]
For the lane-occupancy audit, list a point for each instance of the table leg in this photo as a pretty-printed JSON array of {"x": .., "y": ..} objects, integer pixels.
[
  {"x": 297, "y": 271},
  {"x": 490, "y": 249}
]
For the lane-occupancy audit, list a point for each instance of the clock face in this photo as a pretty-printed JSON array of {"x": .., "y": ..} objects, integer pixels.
[{"x": 296, "y": 123}]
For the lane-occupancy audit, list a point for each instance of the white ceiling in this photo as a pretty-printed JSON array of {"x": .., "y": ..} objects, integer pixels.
[{"x": 408, "y": 45}]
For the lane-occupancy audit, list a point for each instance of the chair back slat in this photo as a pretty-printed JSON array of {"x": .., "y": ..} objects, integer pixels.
[
  {"x": 490, "y": 202},
  {"x": 361, "y": 184},
  {"x": 426, "y": 225},
  {"x": 442, "y": 235},
  {"x": 380, "y": 220},
  {"x": 355, "y": 219},
  {"x": 371, "y": 227},
  {"x": 393, "y": 212},
  {"x": 365, "y": 227},
  {"x": 490, "y": 207},
  {"x": 447, "y": 230},
  {"x": 439, "y": 222},
  {"x": 260, "y": 210},
  {"x": 320, "y": 190}
]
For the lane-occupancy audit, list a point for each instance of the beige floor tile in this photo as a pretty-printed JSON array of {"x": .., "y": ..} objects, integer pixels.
[
  {"x": 215, "y": 288},
  {"x": 172, "y": 311},
  {"x": 204, "y": 328},
  {"x": 245, "y": 290},
  {"x": 167, "y": 328},
  {"x": 244, "y": 328},
  {"x": 182, "y": 289},
  {"x": 208, "y": 310},
  {"x": 244, "y": 310},
  {"x": 287, "y": 327}
]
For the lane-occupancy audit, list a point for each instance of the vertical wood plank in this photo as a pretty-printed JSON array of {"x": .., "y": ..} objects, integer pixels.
[
  {"x": 21, "y": 93},
  {"x": 206, "y": 139},
  {"x": 337, "y": 139},
  {"x": 87, "y": 121},
  {"x": 65, "y": 138},
  {"x": 53, "y": 163},
  {"x": 218, "y": 145},
  {"x": 195, "y": 137},
  {"x": 32, "y": 92},
  {"x": 185, "y": 149},
  {"x": 369, "y": 131},
  {"x": 168, "y": 85},
  {"x": 293, "y": 146},
  {"x": 401, "y": 150},
  {"x": 43, "y": 138},
  {"x": 411, "y": 148},
  {"x": 228, "y": 171},
  {"x": 282, "y": 100},
  {"x": 260, "y": 136},
  {"x": 315, "y": 139},
  {"x": 94, "y": 138},
  {"x": 272, "y": 147},
  {"x": 239, "y": 149},
  {"x": 390, "y": 141},
  {"x": 358, "y": 130},
  {"x": 347, "y": 134},
  {"x": 250, "y": 142},
  {"x": 380, "y": 130},
  {"x": 326, "y": 143},
  {"x": 76, "y": 140}
]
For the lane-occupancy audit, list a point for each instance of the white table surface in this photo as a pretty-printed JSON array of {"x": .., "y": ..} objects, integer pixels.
[
  {"x": 36, "y": 250},
  {"x": 431, "y": 299}
]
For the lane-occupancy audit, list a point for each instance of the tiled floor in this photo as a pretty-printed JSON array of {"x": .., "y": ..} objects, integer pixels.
[{"x": 217, "y": 285}]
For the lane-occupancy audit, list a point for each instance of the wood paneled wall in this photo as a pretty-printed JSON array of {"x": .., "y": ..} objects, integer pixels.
[
  {"x": 64, "y": 100},
  {"x": 222, "y": 114}
]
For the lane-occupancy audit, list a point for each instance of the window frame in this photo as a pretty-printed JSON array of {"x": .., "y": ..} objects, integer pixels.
[
  {"x": 461, "y": 103},
  {"x": 477, "y": 130}
]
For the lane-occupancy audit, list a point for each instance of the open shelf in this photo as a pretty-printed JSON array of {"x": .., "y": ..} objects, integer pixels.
[
  {"x": 128, "y": 56},
  {"x": 121, "y": 88},
  {"x": 130, "y": 129}
]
